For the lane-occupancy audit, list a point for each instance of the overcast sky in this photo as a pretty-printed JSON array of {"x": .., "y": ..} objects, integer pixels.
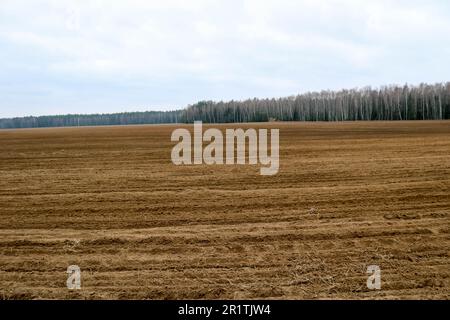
[{"x": 59, "y": 57}]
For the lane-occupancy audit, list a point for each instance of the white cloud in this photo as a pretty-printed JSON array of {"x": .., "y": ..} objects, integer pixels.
[{"x": 214, "y": 49}]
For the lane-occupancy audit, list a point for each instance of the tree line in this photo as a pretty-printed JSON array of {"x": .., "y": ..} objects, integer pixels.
[
  {"x": 73, "y": 120},
  {"x": 422, "y": 102}
]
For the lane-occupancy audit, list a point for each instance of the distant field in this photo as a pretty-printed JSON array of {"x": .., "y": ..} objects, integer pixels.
[{"x": 109, "y": 200}]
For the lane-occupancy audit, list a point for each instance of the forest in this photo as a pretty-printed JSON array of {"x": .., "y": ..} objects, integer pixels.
[
  {"x": 421, "y": 102},
  {"x": 73, "y": 120}
]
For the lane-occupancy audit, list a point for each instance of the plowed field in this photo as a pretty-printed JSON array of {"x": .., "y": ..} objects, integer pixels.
[{"x": 109, "y": 199}]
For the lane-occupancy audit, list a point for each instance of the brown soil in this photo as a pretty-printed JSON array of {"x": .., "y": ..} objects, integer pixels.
[{"x": 109, "y": 200}]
